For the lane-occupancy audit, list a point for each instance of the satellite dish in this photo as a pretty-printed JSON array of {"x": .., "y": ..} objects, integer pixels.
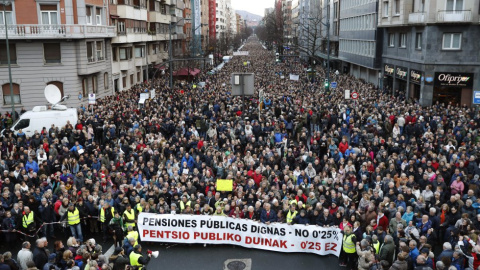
[{"x": 52, "y": 94}]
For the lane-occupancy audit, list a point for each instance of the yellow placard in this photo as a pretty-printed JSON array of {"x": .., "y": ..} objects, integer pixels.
[
  {"x": 245, "y": 63},
  {"x": 194, "y": 86},
  {"x": 224, "y": 184}
]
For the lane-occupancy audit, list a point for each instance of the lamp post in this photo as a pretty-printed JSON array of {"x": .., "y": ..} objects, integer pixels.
[
  {"x": 170, "y": 49},
  {"x": 8, "y": 60}
]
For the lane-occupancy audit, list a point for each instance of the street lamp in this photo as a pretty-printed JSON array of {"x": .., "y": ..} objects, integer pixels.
[
  {"x": 170, "y": 49},
  {"x": 5, "y": 3}
]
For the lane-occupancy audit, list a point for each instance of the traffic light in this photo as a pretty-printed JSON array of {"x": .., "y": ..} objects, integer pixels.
[{"x": 327, "y": 84}]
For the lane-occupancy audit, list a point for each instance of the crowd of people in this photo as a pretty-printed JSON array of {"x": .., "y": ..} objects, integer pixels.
[{"x": 397, "y": 178}]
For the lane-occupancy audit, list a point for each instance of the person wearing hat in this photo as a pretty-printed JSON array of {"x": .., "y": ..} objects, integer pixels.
[
  {"x": 73, "y": 220},
  {"x": 119, "y": 259},
  {"x": 137, "y": 259},
  {"x": 51, "y": 262}
]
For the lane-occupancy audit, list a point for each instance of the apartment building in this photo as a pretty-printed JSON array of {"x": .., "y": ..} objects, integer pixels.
[
  {"x": 287, "y": 21},
  {"x": 61, "y": 42},
  {"x": 221, "y": 17},
  {"x": 360, "y": 44},
  {"x": 431, "y": 49},
  {"x": 331, "y": 14}
]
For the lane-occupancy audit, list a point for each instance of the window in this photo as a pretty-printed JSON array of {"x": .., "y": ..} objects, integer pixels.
[
  {"x": 403, "y": 40},
  {"x": 3, "y": 53},
  {"x": 131, "y": 79},
  {"x": 454, "y": 5},
  {"x": 125, "y": 53},
  {"x": 57, "y": 84},
  {"x": 100, "y": 51},
  {"x": 85, "y": 87},
  {"x": 163, "y": 9},
  {"x": 124, "y": 80},
  {"x": 94, "y": 84},
  {"x": 397, "y": 7},
  {"x": 98, "y": 17},
  {"x": 452, "y": 41},
  {"x": 6, "y": 15},
  {"x": 418, "y": 41},
  {"x": 114, "y": 54},
  {"x": 391, "y": 40},
  {"x": 386, "y": 7},
  {"x": 89, "y": 15},
  {"x": 121, "y": 28},
  {"x": 139, "y": 76},
  {"x": 90, "y": 50},
  {"x": 49, "y": 14},
  {"x": 139, "y": 52},
  {"x": 7, "y": 99},
  {"x": 52, "y": 53},
  {"x": 105, "y": 81},
  {"x": 22, "y": 124}
]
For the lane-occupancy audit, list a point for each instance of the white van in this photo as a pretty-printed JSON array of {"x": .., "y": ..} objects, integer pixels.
[{"x": 40, "y": 117}]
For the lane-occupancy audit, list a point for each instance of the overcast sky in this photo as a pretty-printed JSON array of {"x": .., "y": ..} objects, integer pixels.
[{"x": 253, "y": 6}]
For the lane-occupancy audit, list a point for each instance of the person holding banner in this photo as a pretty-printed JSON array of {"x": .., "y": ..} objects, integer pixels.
[
  {"x": 348, "y": 254},
  {"x": 268, "y": 215}
]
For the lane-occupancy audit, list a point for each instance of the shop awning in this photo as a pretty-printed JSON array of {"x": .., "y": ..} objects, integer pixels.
[{"x": 187, "y": 72}]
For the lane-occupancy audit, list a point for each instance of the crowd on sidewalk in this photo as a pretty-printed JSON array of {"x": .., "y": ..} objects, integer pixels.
[{"x": 397, "y": 178}]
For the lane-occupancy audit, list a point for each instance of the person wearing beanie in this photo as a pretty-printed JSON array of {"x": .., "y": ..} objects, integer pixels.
[{"x": 118, "y": 259}]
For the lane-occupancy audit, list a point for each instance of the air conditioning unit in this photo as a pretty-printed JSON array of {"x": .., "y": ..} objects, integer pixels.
[{"x": 39, "y": 109}]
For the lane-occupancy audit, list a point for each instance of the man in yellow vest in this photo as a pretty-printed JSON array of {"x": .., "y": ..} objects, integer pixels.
[
  {"x": 137, "y": 259},
  {"x": 28, "y": 221},
  {"x": 349, "y": 253},
  {"x": 184, "y": 202},
  {"x": 106, "y": 214},
  {"x": 292, "y": 213},
  {"x": 129, "y": 217},
  {"x": 132, "y": 233},
  {"x": 73, "y": 220}
]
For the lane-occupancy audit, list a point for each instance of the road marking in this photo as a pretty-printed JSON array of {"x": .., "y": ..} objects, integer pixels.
[
  {"x": 110, "y": 252},
  {"x": 241, "y": 262}
]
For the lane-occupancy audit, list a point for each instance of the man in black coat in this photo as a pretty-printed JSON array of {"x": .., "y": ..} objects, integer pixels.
[{"x": 40, "y": 253}]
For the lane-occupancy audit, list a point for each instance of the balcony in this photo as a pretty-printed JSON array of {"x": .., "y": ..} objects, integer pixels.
[
  {"x": 454, "y": 16},
  {"x": 159, "y": 17},
  {"x": 67, "y": 31},
  {"x": 417, "y": 18},
  {"x": 129, "y": 12}
]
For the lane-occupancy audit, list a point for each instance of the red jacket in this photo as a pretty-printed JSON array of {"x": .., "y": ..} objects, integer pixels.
[
  {"x": 383, "y": 221},
  {"x": 342, "y": 147}
]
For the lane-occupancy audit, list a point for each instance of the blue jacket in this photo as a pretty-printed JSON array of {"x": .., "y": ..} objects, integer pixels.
[
  {"x": 190, "y": 161},
  {"x": 31, "y": 165},
  {"x": 414, "y": 254},
  {"x": 272, "y": 217},
  {"x": 445, "y": 254}
]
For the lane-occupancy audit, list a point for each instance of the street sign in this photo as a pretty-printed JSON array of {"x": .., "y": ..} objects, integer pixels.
[
  {"x": 355, "y": 95},
  {"x": 347, "y": 94},
  {"x": 476, "y": 97},
  {"x": 242, "y": 84},
  {"x": 91, "y": 98},
  {"x": 333, "y": 85}
]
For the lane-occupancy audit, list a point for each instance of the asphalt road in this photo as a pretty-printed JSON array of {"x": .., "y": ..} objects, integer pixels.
[{"x": 213, "y": 257}]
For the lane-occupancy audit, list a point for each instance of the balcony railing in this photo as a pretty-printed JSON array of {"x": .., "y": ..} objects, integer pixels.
[
  {"x": 418, "y": 17},
  {"x": 454, "y": 16},
  {"x": 34, "y": 31}
]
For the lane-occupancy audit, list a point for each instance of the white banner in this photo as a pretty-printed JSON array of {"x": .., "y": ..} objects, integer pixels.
[
  {"x": 91, "y": 99},
  {"x": 240, "y": 53},
  {"x": 294, "y": 77},
  {"x": 242, "y": 232}
]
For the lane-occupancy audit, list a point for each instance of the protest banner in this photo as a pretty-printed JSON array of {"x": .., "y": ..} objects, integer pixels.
[
  {"x": 224, "y": 184},
  {"x": 199, "y": 229}
]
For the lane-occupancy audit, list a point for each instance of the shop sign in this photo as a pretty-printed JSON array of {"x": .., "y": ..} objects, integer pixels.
[
  {"x": 454, "y": 79},
  {"x": 401, "y": 73},
  {"x": 415, "y": 76},
  {"x": 389, "y": 70}
]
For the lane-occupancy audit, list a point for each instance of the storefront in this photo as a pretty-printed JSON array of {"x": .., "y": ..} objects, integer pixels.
[
  {"x": 401, "y": 75},
  {"x": 454, "y": 88},
  {"x": 416, "y": 78},
  {"x": 388, "y": 74}
]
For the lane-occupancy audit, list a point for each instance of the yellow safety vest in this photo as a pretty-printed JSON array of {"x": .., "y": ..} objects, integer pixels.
[
  {"x": 73, "y": 218},
  {"x": 138, "y": 208},
  {"x": 133, "y": 234},
  {"x": 28, "y": 219},
  {"x": 130, "y": 216},
  {"x": 291, "y": 216},
  {"x": 134, "y": 260},
  {"x": 348, "y": 244},
  {"x": 376, "y": 247},
  {"x": 102, "y": 214},
  {"x": 182, "y": 205}
]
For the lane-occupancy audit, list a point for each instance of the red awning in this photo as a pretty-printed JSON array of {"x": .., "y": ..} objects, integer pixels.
[
  {"x": 187, "y": 72},
  {"x": 161, "y": 66}
]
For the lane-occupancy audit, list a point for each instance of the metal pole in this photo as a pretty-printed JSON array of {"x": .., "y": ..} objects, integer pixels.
[
  {"x": 243, "y": 97},
  {"x": 328, "y": 53},
  {"x": 8, "y": 62},
  {"x": 170, "y": 63}
]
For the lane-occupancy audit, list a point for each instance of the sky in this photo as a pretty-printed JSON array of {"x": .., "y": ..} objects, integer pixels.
[{"x": 253, "y": 6}]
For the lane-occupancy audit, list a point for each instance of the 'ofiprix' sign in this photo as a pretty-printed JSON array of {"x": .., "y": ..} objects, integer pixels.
[{"x": 454, "y": 79}]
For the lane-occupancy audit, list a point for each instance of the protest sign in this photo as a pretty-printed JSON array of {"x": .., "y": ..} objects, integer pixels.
[{"x": 201, "y": 229}]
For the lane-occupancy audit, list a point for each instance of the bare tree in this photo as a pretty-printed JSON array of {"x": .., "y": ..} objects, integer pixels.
[{"x": 309, "y": 35}]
